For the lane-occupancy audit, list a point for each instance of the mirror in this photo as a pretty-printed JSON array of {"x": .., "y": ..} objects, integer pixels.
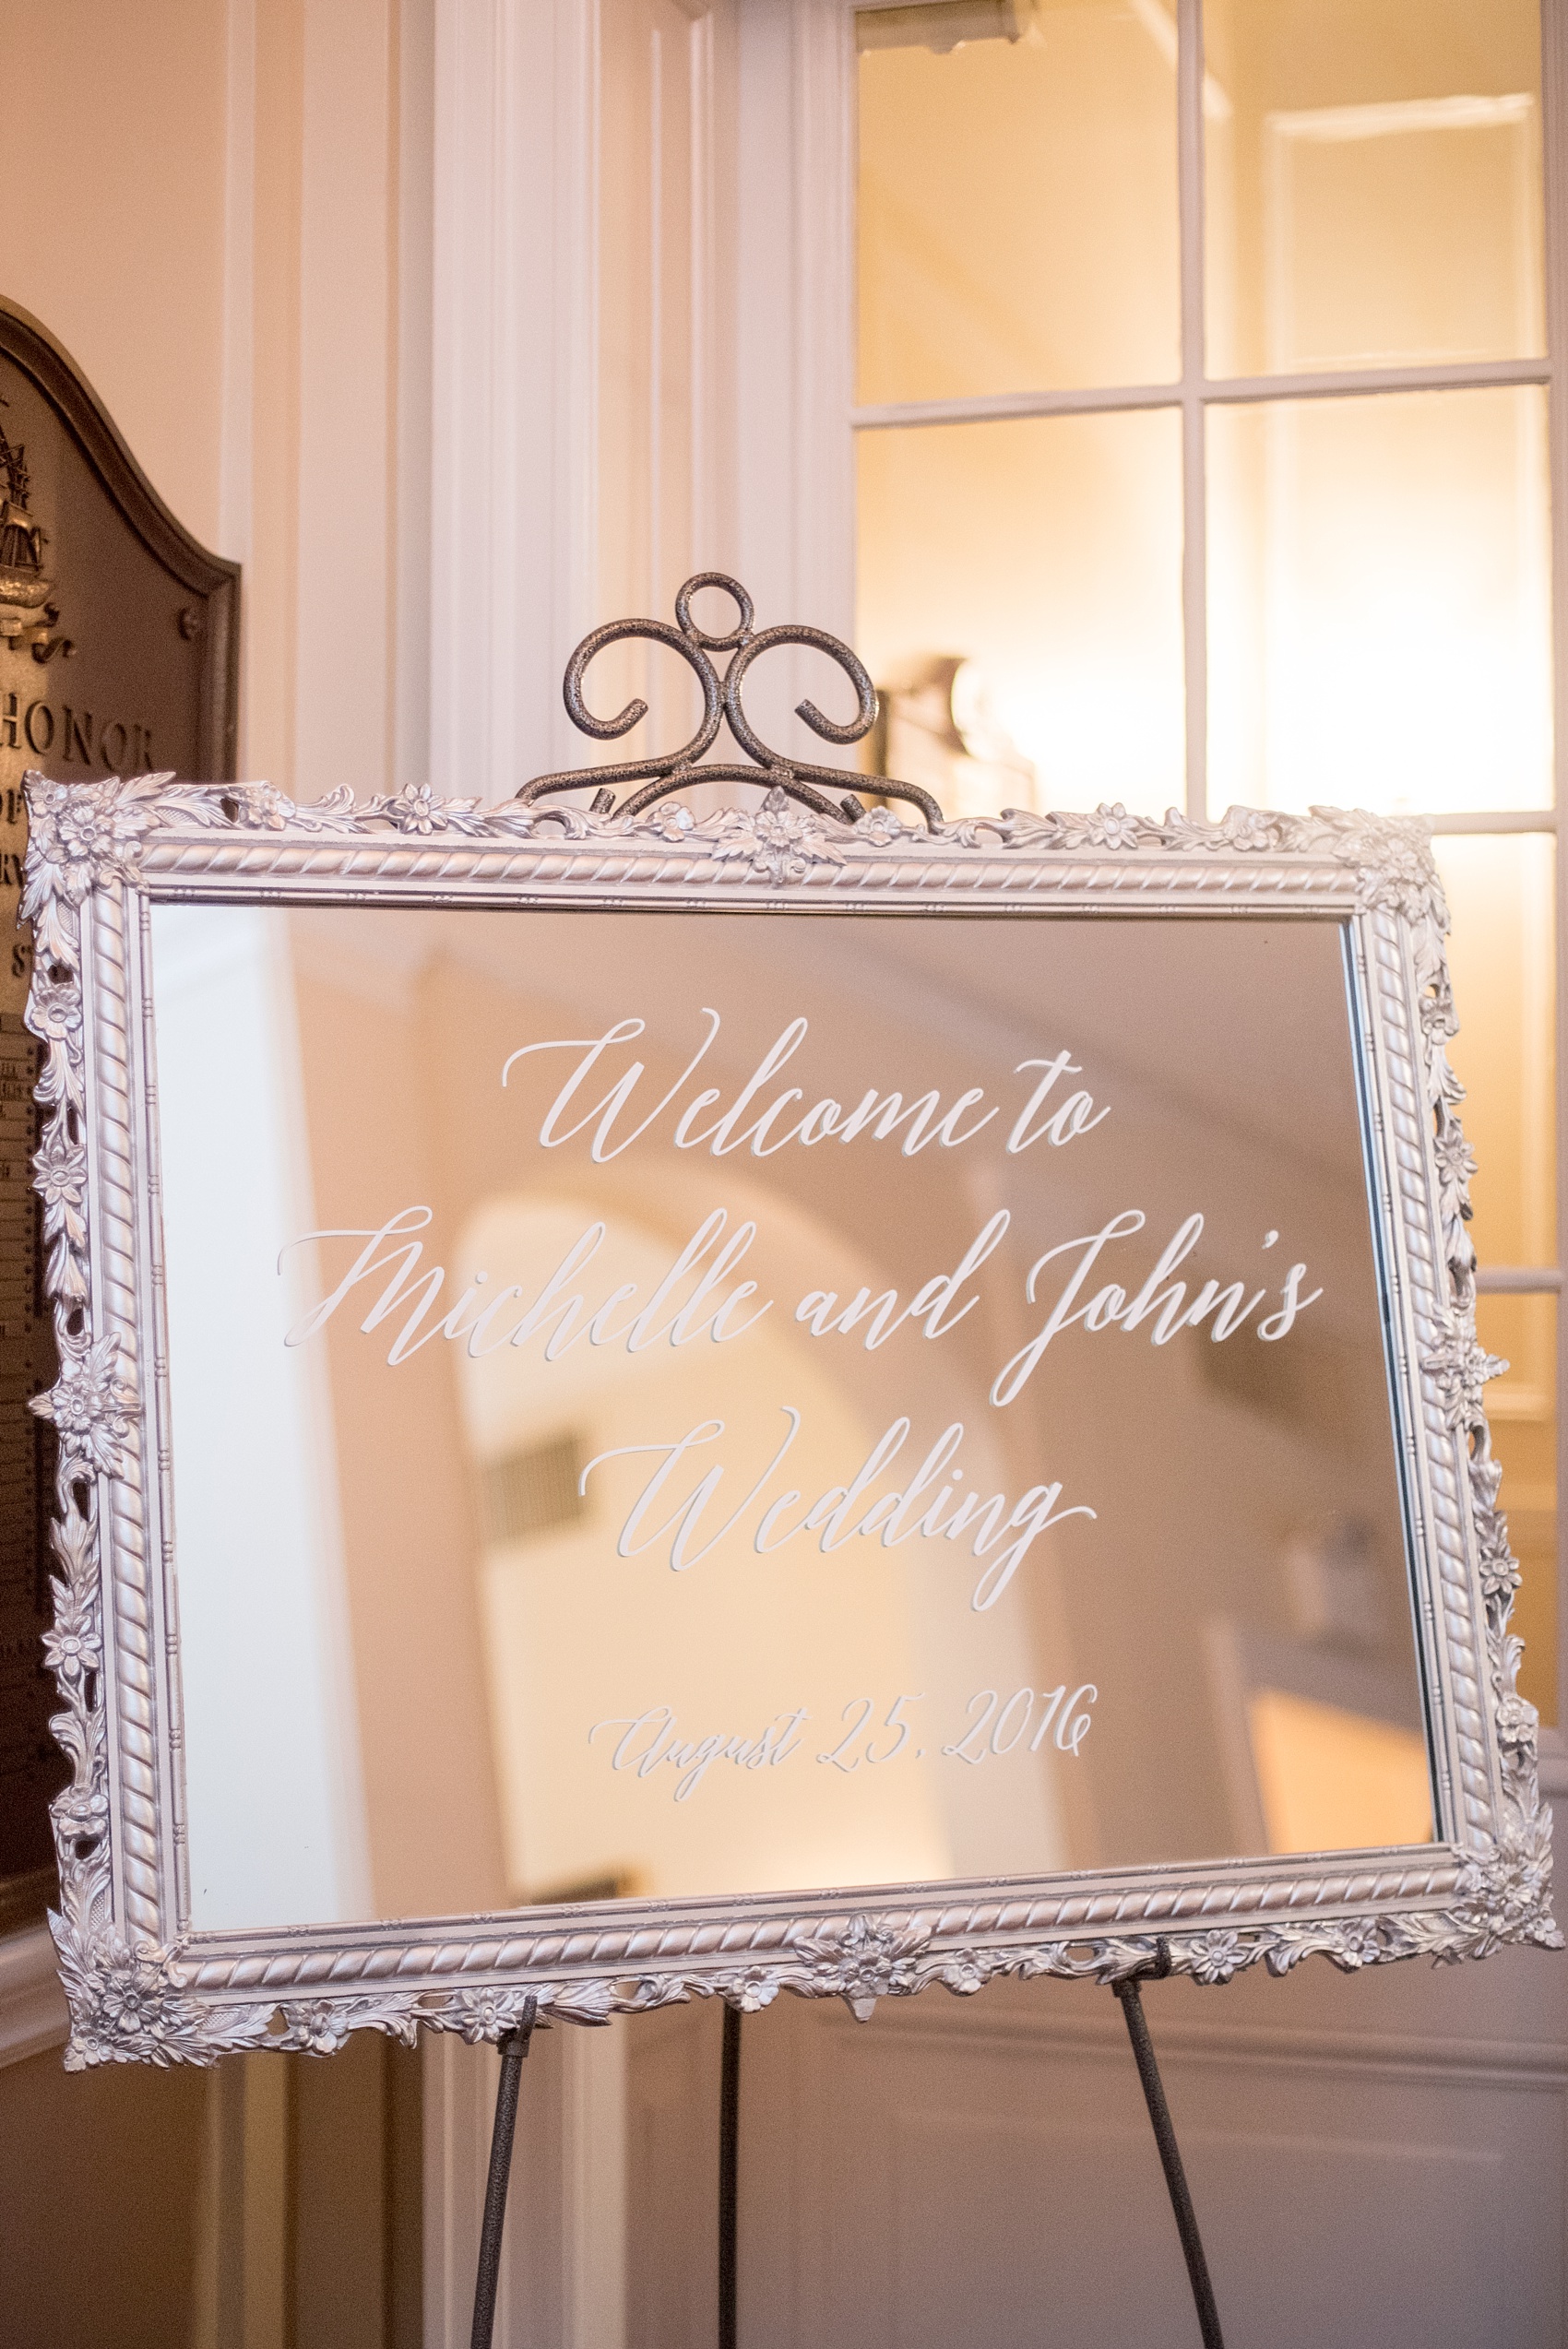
[{"x": 725, "y": 1404}]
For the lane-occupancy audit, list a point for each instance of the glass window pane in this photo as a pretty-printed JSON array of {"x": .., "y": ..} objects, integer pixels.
[
  {"x": 1372, "y": 189},
  {"x": 1020, "y": 607},
  {"x": 1379, "y": 583},
  {"x": 1521, "y": 1409},
  {"x": 1018, "y": 198},
  {"x": 1501, "y": 954}
]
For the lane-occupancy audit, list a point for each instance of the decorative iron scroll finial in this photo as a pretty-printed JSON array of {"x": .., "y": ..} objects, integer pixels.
[{"x": 655, "y": 777}]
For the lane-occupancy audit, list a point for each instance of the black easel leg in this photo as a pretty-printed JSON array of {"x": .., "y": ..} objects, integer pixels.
[
  {"x": 1171, "y": 2161},
  {"x": 513, "y": 2047},
  {"x": 729, "y": 2169}
]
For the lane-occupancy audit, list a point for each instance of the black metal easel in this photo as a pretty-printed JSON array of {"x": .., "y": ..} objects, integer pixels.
[
  {"x": 650, "y": 779},
  {"x": 512, "y": 2049},
  {"x": 728, "y": 2177},
  {"x": 515, "y": 2046},
  {"x": 1132, "y": 2002}
]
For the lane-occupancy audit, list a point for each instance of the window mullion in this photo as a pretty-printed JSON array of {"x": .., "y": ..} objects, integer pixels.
[
  {"x": 1494, "y": 820},
  {"x": 1195, "y": 518},
  {"x": 1228, "y": 391}
]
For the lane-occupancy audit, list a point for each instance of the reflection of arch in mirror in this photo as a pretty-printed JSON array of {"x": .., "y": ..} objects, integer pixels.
[{"x": 576, "y": 1634}]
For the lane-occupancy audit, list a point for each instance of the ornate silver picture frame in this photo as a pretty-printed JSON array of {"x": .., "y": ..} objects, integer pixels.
[{"x": 147, "y": 1983}]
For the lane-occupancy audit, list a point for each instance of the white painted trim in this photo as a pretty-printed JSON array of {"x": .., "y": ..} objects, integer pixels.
[
  {"x": 239, "y": 285},
  {"x": 459, "y": 2101},
  {"x": 564, "y": 2249},
  {"x": 1191, "y": 194},
  {"x": 412, "y": 363},
  {"x": 32, "y": 2005},
  {"x": 1208, "y": 2028},
  {"x": 795, "y": 379},
  {"x": 1496, "y": 820},
  {"x": 1213, "y": 391},
  {"x": 595, "y": 2184},
  {"x": 514, "y": 412}
]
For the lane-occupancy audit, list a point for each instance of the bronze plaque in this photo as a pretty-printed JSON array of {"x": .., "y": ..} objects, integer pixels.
[{"x": 119, "y": 638}]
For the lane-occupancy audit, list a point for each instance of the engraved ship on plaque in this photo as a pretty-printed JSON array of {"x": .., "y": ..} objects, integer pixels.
[{"x": 26, "y": 613}]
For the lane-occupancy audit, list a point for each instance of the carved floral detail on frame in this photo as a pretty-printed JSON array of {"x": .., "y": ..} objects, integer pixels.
[
  {"x": 1461, "y": 1368},
  {"x": 780, "y": 841},
  {"x": 133, "y": 1999},
  {"x": 82, "y": 836},
  {"x": 91, "y": 1405},
  {"x": 125, "y": 1998}
]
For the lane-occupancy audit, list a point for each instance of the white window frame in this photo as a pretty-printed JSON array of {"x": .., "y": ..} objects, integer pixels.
[{"x": 1193, "y": 392}]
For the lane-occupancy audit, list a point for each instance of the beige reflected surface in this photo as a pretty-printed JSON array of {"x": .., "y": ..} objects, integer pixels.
[
  {"x": 1017, "y": 206},
  {"x": 1372, "y": 184},
  {"x": 1379, "y": 602},
  {"x": 1326, "y": 1775},
  {"x": 1522, "y": 1410},
  {"x": 829, "y": 1595},
  {"x": 1048, "y": 554}
]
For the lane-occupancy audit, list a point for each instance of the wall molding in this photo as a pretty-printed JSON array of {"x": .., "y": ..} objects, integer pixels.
[
  {"x": 513, "y": 411},
  {"x": 1218, "y": 2038},
  {"x": 564, "y": 2252}
]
